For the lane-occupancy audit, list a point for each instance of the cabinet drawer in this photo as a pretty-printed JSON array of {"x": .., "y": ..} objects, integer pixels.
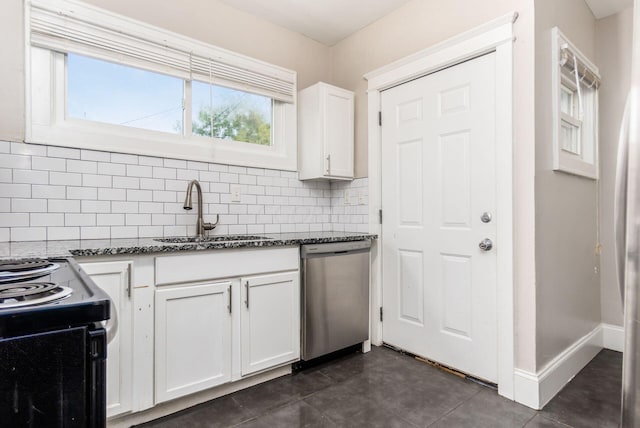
[{"x": 202, "y": 266}]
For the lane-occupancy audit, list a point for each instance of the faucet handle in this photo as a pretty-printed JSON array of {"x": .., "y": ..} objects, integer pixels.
[{"x": 211, "y": 226}]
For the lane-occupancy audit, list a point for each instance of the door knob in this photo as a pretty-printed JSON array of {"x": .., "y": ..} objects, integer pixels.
[
  {"x": 485, "y": 217},
  {"x": 486, "y": 244}
]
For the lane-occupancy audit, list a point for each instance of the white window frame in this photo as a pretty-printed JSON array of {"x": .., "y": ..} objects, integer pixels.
[
  {"x": 47, "y": 121},
  {"x": 585, "y": 163}
]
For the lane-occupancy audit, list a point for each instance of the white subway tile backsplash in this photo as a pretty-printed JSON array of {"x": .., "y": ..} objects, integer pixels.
[
  {"x": 152, "y": 183},
  {"x": 62, "y": 152},
  {"x": 94, "y": 180},
  {"x": 126, "y": 182},
  {"x": 30, "y": 176},
  {"x": 63, "y": 233},
  {"x": 15, "y": 161},
  {"x": 124, "y": 158},
  {"x": 95, "y": 206},
  {"x": 10, "y": 190},
  {"x": 110, "y": 219},
  {"x": 138, "y": 219},
  {"x": 28, "y": 233},
  {"x": 107, "y": 194},
  {"x": 93, "y": 155},
  {"x": 124, "y": 232},
  {"x": 82, "y": 193},
  {"x": 29, "y": 205},
  {"x": 83, "y": 166},
  {"x": 95, "y": 232},
  {"x": 65, "y": 193},
  {"x": 105, "y": 168},
  {"x": 161, "y": 172},
  {"x": 139, "y": 171},
  {"x": 79, "y": 219},
  {"x": 47, "y": 164},
  {"x": 175, "y": 163},
  {"x": 124, "y": 207},
  {"x": 48, "y": 219},
  {"x": 6, "y": 175},
  {"x": 28, "y": 149},
  {"x": 65, "y": 178}
]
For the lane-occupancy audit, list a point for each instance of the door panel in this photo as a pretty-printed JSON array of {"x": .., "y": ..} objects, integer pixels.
[
  {"x": 339, "y": 128},
  {"x": 438, "y": 177},
  {"x": 113, "y": 278}
]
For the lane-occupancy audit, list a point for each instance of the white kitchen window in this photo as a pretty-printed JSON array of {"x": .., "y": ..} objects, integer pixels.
[
  {"x": 103, "y": 81},
  {"x": 575, "y": 109}
]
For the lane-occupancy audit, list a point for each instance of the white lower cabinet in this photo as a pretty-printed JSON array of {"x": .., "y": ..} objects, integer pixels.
[
  {"x": 193, "y": 338},
  {"x": 270, "y": 321},
  {"x": 236, "y": 314},
  {"x": 115, "y": 279}
]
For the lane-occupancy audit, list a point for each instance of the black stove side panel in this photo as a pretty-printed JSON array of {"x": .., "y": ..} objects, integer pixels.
[{"x": 43, "y": 380}]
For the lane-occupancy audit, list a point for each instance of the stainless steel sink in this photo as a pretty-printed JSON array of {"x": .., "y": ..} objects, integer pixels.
[{"x": 219, "y": 238}]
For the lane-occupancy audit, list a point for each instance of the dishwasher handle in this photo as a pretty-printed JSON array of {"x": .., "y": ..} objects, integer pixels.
[{"x": 334, "y": 248}]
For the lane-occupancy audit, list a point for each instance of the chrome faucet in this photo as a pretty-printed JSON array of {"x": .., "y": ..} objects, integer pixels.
[{"x": 201, "y": 226}]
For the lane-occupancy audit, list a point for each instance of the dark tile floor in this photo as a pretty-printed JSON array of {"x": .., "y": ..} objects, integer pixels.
[{"x": 386, "y": 389}]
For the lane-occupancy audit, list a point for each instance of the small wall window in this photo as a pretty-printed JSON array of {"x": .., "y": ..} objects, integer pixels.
[
  {"x": 575, "y": 111},
  {"x": 102, "y": 81}
]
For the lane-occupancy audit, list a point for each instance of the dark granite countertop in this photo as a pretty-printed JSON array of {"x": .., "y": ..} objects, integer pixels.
[{"x": 101, "y": 247}]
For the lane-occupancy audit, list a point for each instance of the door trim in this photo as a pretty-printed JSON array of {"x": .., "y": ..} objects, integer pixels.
[{"x": 494, "y": 36}]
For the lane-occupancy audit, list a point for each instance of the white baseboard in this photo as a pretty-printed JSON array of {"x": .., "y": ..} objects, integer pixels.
[
  {"x": 612, "y": 337},
  {"x": 535, "y": 390}
]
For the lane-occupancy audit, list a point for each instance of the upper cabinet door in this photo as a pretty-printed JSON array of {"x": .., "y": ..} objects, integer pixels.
[
  {"x": 325, "y": 133},
  {"x": 338, "y": 131}
]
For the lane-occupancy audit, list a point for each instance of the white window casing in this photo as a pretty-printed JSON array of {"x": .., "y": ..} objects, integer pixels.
[
  {"x": 57, "y": 27},
  {"x": 575, "y": 81}
]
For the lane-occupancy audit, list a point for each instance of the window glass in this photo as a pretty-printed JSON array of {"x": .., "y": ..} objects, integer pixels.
[
  {"x": 102, "y": 91},
  {"x": 231, "y": 114},
  {"x": 570, "y": 138},
  {"x": 566, "y": 100}
]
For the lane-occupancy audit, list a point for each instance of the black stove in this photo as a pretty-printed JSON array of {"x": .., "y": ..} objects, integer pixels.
[
  {"x": 52, "y": 345},
  {"x": 38, "y": 295}
]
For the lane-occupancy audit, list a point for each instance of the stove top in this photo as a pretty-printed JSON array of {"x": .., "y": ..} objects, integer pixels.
[{"x": 44, "y": 294}]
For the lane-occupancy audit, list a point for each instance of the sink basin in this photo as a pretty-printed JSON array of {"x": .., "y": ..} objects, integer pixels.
[{"x": 219, "y": 238}]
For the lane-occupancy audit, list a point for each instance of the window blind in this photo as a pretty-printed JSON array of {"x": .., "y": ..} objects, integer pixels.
[
  {"x": 72, "y": 26},
  {"x": 569, "y": 61}
]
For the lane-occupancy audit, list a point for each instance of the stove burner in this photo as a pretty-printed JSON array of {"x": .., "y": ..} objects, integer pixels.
[
  {"x": 35, "y": 293},
  {"x": 22, "y": 265},
  {"x": 22, "y": 270}
]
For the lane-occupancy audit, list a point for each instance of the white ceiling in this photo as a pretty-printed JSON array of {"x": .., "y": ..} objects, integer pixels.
[
  {"x": 329, "y": 21},
  {"x": 604, "y": 8},
  {"x": 326, "y": 21}
]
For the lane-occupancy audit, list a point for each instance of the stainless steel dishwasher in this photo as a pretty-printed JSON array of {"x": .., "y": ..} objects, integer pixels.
[{"x": 335, "y": 296}]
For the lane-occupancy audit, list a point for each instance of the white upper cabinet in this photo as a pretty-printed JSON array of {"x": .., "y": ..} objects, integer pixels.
[{"x": 325, "y": 133}]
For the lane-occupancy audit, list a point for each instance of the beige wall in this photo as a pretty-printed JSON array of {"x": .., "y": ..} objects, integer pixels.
[
  {"x": 613, "y": 45},
  {"x": 567, "y": 287},
  {"x": 416, "y": 26},
  {"x": 12, "y": 71},
  {"x": 208, "y": 20}
]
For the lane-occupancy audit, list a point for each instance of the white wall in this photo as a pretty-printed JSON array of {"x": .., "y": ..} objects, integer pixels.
[
  {"x": 613, "y": 45},
  {"x": 567, "y": 287},
  {"x": 418, "y": 25}
]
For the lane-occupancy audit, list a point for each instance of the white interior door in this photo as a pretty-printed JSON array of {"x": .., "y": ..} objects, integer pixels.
[{"x": 438, "y": 179}]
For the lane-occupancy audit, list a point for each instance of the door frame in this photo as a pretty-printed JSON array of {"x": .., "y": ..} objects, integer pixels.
[{"x": 494, "y": 36}]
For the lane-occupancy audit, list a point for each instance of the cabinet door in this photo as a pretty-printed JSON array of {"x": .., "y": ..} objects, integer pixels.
[
  {"x": 338, "y": 131},
  {"x": 193, "y": 339},
  {"x": 270, "y": 321},
  {"x": 114, "y": 278}
]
